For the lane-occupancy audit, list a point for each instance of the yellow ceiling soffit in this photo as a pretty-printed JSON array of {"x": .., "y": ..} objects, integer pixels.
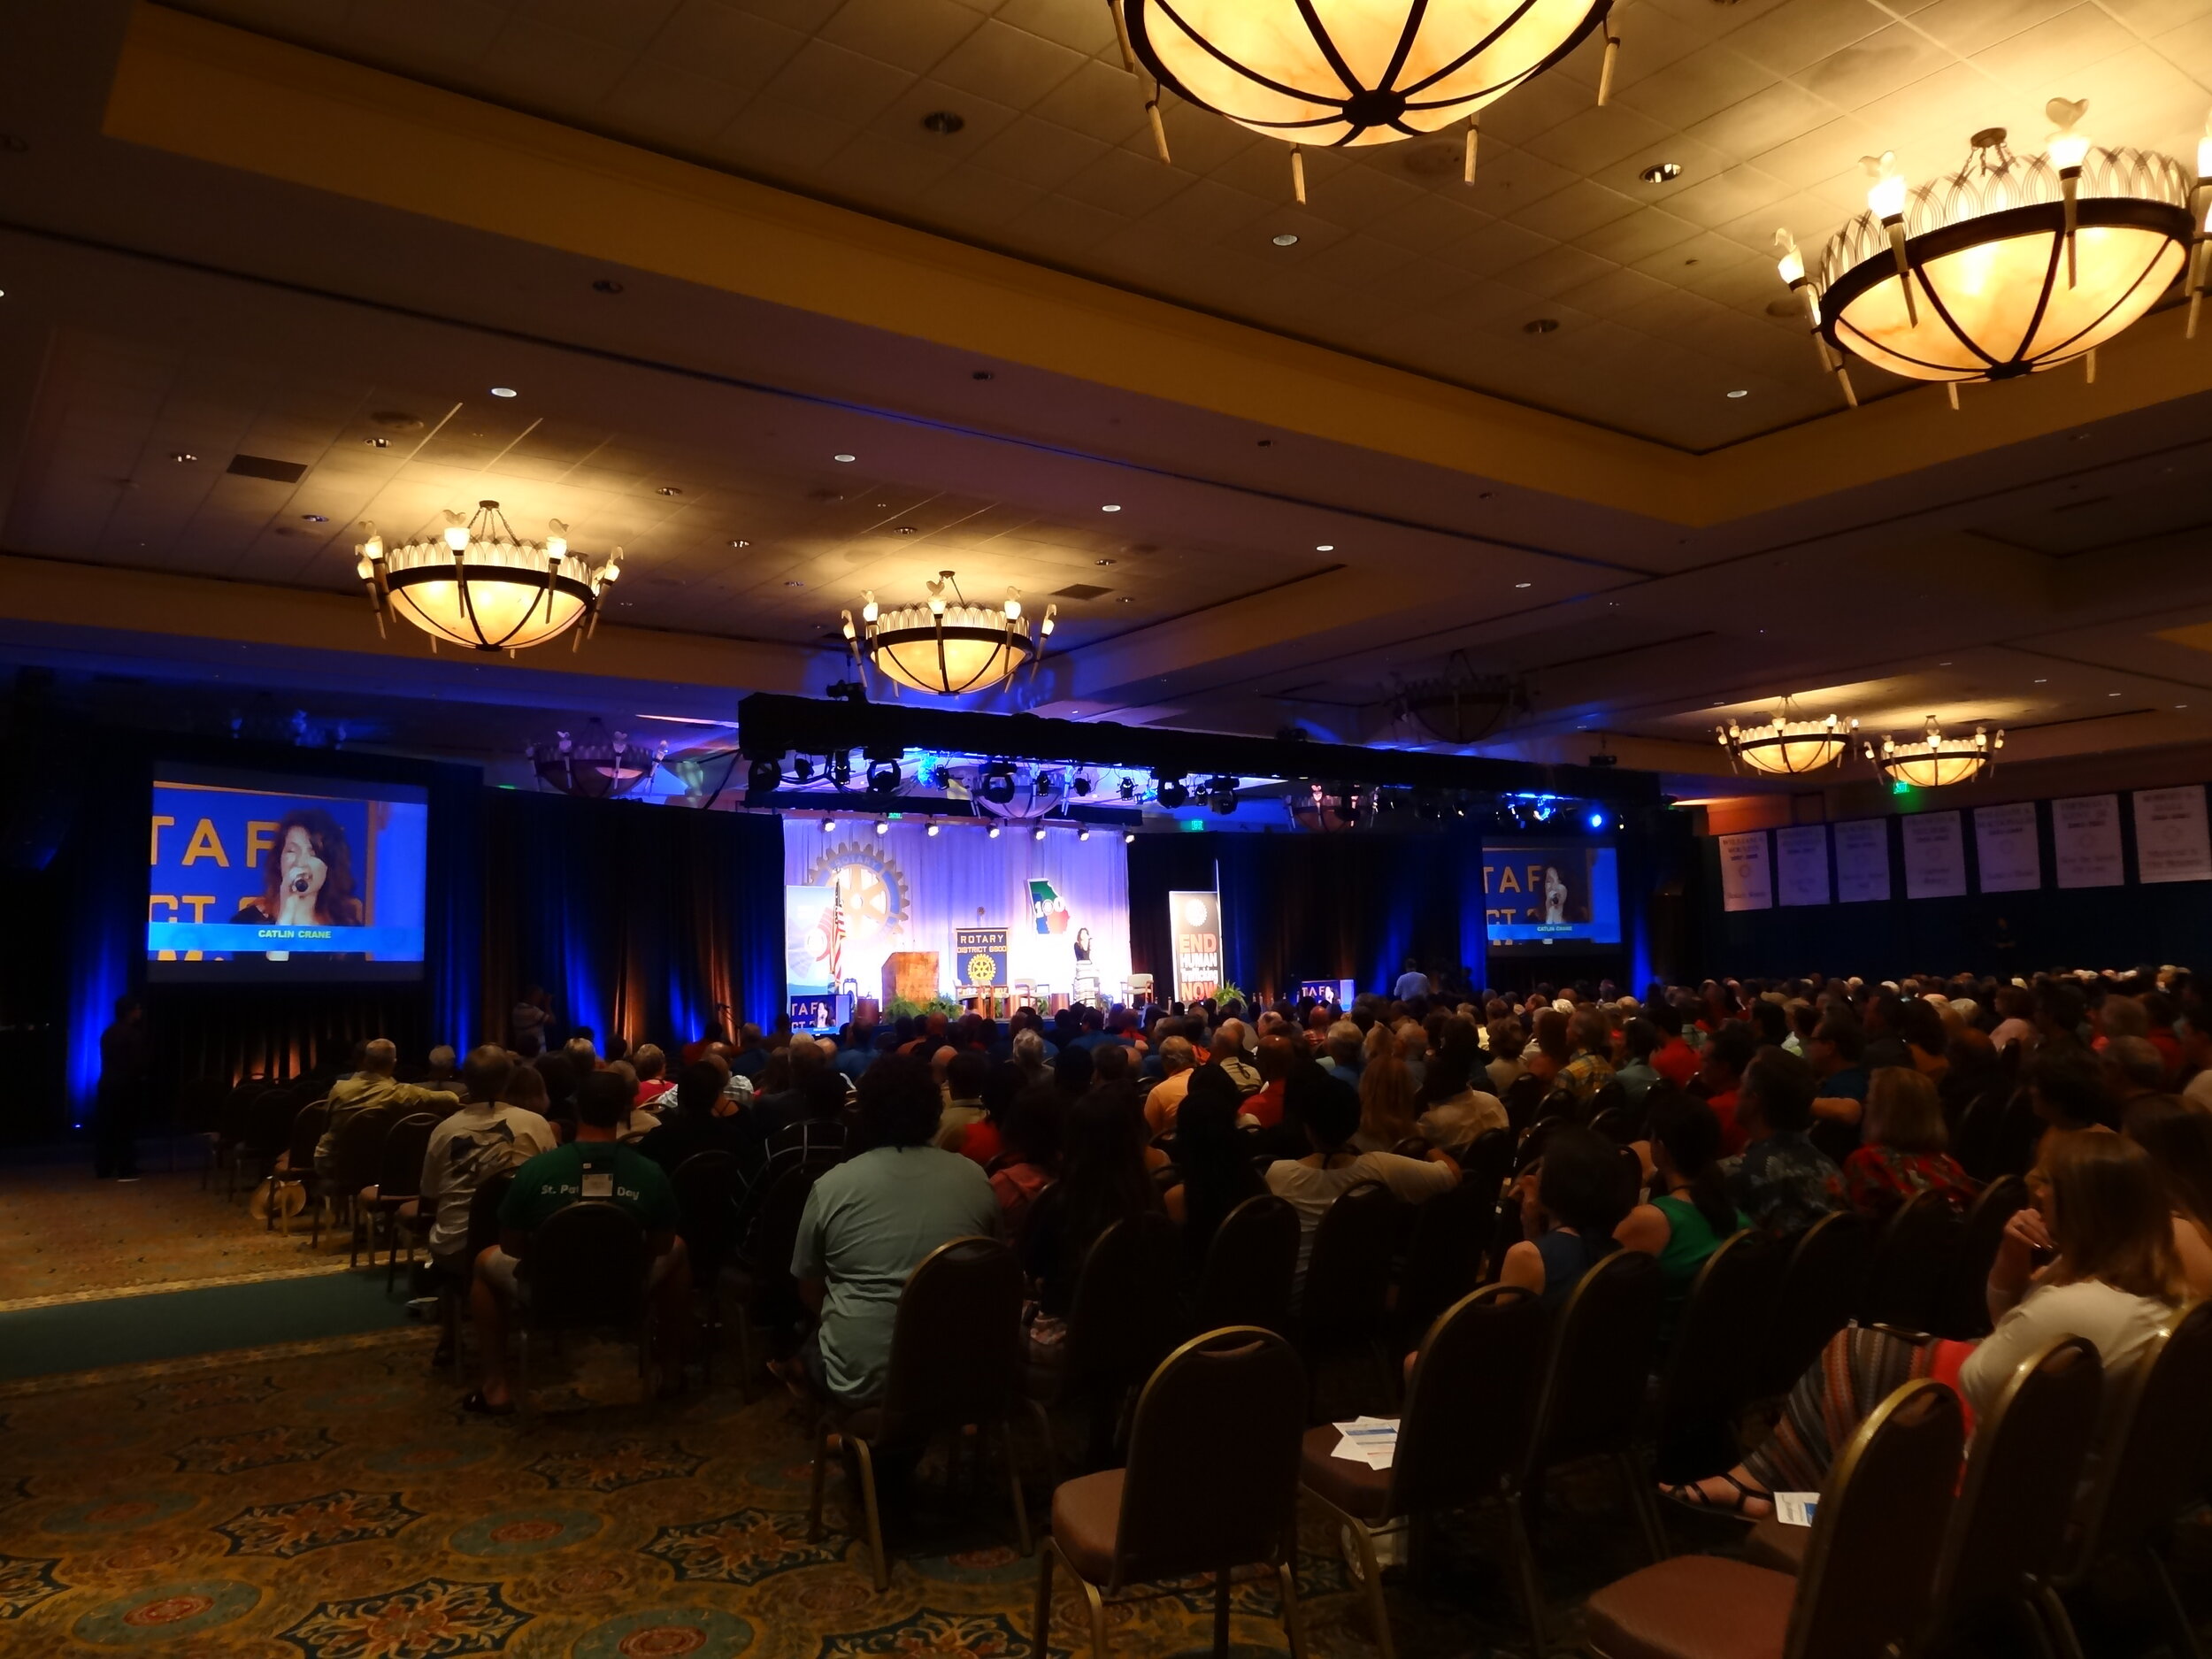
[
  {"x": 64, "y": 595},
  {"x": 239, "y": 100}
]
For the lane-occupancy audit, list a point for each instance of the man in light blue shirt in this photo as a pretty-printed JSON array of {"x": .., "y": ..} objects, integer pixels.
[{"x": 1411, "y": 983}]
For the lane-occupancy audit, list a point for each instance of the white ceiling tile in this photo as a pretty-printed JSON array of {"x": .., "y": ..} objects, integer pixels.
[
  {"x": 1770, "y": 115},
  {"x": 2072, "y": 41},
  {"x": 1021, "y": 70},
  {"x": 1435, "y": 219},
  {"x": 1612, "y": 293},
  {"x": 1568, "y": 214},
  {"x": 1556, "y": 270},
  {"x": 1062, "y": 226},
  {"x": 841, "y": 85},
  {"x": 660, "y": 101},
  {"x": 1968, "y": 27},
  {"x": 1637, "y": 235},
  {"x": 708, "y": 38},
  {"x": 541, "y": 66},
  {"x": 1594, "y": 138},
  {"x": 1123, "y": 182},
  {"x": 1493, "y": 248},
  {"x": 1038, "y": 152},
  {"x": 1694, "y": 88},
  {"x": 981, "y": 119},
  {"x": 1803, "y": 32},
  {"x": 624, "y": 27},
  {"x": 786, "y": 136},
  {"x": 1717, "y": 201},
  {"x": 913, "y": 33},
  {"x": 1088, "y": 28}
]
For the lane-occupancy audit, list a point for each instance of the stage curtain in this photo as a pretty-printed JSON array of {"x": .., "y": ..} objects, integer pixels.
[
  {"x": 1312, "y": 906},
  {"x": 639, "y": 920}
]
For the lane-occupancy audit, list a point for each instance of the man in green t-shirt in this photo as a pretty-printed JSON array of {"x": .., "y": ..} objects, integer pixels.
[{"x": 594, "y": 1165}]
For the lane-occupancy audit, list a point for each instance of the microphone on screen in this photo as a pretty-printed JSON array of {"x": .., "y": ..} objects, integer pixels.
[{"x": 299, "y": 883}]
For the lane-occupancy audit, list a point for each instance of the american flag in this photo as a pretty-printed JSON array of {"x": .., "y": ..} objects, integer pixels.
[{"x": 836, "y": 935}]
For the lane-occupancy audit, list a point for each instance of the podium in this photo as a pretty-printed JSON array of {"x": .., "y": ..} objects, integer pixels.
[{"x": 911, "y": 974}]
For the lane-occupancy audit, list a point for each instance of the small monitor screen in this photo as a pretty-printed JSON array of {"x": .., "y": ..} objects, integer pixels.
[
  {"x": 268, "y": 878},
  {"x": 1552, "y": 896}
]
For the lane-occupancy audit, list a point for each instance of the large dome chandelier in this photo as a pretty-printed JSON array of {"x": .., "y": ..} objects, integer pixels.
[
  {"x": 1460, "y": 707},
  {"x": 1344, "y": 74},
  {"x": 946, "y": 647},
  {"x": 1788, "y": 747},
  {"x": 478, "y": 585},
  {"x": 1936, "y": 760},
  {"x": 2012, "y": 265},
  {"x": 594, "y": 765}
]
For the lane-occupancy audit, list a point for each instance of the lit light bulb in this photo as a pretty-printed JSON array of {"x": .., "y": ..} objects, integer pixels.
[
  {"x": 868, "y": 613},
  {"x": 2068, "y": 151},
  {"x": 2204, "y": 154},
  {"x": 1013, "y": 605},
  {"x": 1792, "y": 265},
  {"x": 456, "y": 537},
  {"x": 1886, "y": 199},
  {"x": 1051, "y": 613},
  {"x": 556, "y": 540}
]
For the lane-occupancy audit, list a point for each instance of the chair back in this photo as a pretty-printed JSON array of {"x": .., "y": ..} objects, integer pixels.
[
  {"x": 773, "y": 1234},
  {"x": 1820, "y": 1290},
  {"x": 1465, "y": 1421},
  {"x": 1593, "y": 1398},
  {"x": 1835, "y": 1140},
  {"x": 1347, "y": 1276},
  {"x": 484, "y": 1203},
  {"x": 399, "y": 1167},
  {"x": 1536, "y": 1139},
  {"x": 357, "y": 1152},
  {"x": 587, "y": 1267},
  {"x": 1486, "y": 1161},
  {"x": 707, "y": 1185},
  {"x": 1127, "y": 1310},
  {"x": 955, "y": 1343},
  {"x": 1443, "y": 1254},
  {"x": 2157, "y": 1463},
  {"x": 307, "y": 1126},
  {"x": 269, "y": 1115},
  {"x": 1212, "y": 1478},
  {"x": 1523, "y": 1098},
  {"x": 1966, "y": 1314},
  {"x": 1618, "y": 1125},
  {"x": 1870, "y": 1565},
  {"x": 1977, "y": 1137},
  {"x": 2013, "y": 1142},
  {"x": 1716, "y": 1350},
  {"x": 1250, "y": 1267},
  {"x": 199, "y": 1103},
  {"x": 234, "y": 1117},
  {"x": 2026, "y": 1459},
  {"x": 1911, "y": 1272},
  {"x": 1611, "y": 1096}
]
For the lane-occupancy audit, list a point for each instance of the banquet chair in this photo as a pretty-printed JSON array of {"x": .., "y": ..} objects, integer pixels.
[
  {"x": 399, "y": 1181},
  {"x": 1706, "y": 1381},
  {"x": 1869, "y": 1559},
  {"x": 1345, "y": 1306},
  {"x": 1211, "y": 1484},
  {"x": 1250, "y": 1266},
  {"x": 1914, "y": 1256},
  {"x": 585, "y": 1270},
  {"x": 1820, "y": 1286},
  {"x": 1966, "y": 1309}
]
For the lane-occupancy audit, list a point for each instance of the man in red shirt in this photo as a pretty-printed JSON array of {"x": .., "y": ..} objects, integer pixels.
[
  {"x": 1273, "y": 1061},
  {"x": 1728, "y": 1051},
  {"x": 1674, "y": 1059}
]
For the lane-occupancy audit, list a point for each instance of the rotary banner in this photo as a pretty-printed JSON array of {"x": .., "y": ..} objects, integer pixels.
[{"x": 978, "y": 956}]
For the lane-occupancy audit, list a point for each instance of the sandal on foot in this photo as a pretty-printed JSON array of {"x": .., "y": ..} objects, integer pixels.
[
  {"x": 477, "y": 1405},
  {"x": 1691, "y": 1495}
]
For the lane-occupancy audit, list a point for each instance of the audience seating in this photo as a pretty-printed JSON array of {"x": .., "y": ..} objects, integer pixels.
[
  {"x": 2154, "y": 1468},
  {"x": 1461, "y": 1439},
  {"x": 1251, "y": 1267},
  {"x": 1127, "y": 1314},
  {"x": 1706, "y": 1381},
  {"x": 1619, "y": 1125},
  {"x": 1869, "y": 1560},
  {"x": 1346, "y": 1305},
  {"x": 1523, "y": 1100},
  {"x": 586, "y": 1271},
  {"x": 956, "y": 1360},
  {"x": 707, "y": 1186},
  {"x": 1966, "y": 1311},
  {"x": 357, "y": 1157},
  {"x": 1820, "y": 1287},
  {"x": 1211, "y": 1484},
  {"x": 1593, "y": 1399},
  {"x": 306, "y": 1125},
  {"x": 1909, "y": 1278},
  {"x": 1443, "y": 1256},
  {"x": 759, "y": 1274},
  {"x": 398, "y": 1181}
]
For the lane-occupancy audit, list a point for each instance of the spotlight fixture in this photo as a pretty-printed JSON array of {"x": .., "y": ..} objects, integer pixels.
[
  {"x": 1084, "y": 834},
  {"x": 1081, "y": 783},
  {"x": 883, "y": 777},
  {"x": 1038, "y": 833},
  {"x": 935, "y": 830},
  {"x": 883, "y": 827},
  {"x": 829, "y": 826},
  {"x": 1597, "y": 820},
  {"x": 998, "y": 783},
  {"x": 1221, "y": 795},
  {"x": 993, "y": 832},
  {"x": 1128, "y": 788},
  {"x": 1129, "y": 837},
  {"x": 841, "y": 768},
  {"x": 1169, "y": 790},
  {"x": 763, "y": 776},
  {"x": 803, "y": 770}
]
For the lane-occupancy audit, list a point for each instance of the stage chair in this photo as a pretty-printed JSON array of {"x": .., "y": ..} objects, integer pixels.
[
  {"x": 357, "y": 1157},
  {"x": 1461, "y": 1439},
  {"x": 307, "y": 1124},
  {"x": 956, "y": 1360},
  {"x": 1211, "y": 1484},
  {"x": 1869, "y": 1561}
]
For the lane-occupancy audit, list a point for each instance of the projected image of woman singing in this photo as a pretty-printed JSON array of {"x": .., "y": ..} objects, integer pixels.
[{"x": 306, "y": 876}]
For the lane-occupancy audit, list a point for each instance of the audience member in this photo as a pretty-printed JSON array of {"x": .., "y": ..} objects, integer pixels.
[
  {"x": 2179, "y": 1139},
  {"x": 650, "y": 1062},
  {"x": 1031, "y": 1161},
  {"x": 373, "y": 1089},
  {"x": 1570, "y": 1206},
  {"x": 1103, "y": 1180},
  {"x": 1453, "y": 1111},
  {"x": 704, "y": 1120},
  {"x": 1588, "y": 1068},
  {"x": 965, "y": 1115},
  {"x": 1506, "y": 1042},
  {"x": 1721, "y": 1065},
  {"x": 1674, "y": 1059},
  {"x": 1177, "y": 1060},
  {"x": 1689, "y": 1213},
  {"x": 1386, "y": 1103},
  {"x": 1329, "y": 1111},
  {"x": 1214, "y": 1164},
  {"x": 1781, "y": 1180},
  {"x": 1640, "y": 1040},
  {"x": 1902, "y": 1152}
]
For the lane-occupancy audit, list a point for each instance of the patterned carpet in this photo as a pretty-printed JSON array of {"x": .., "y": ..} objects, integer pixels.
[
  {"x": 65, "y": 1236},
  {"x": 337, "y": 1506}
]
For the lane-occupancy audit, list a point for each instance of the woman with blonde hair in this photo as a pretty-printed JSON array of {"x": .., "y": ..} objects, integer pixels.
[
  {"x": 1385, "y": 1105},
  {"x": 2113, "y": 1278},
  {"x": 1904, "y": 1155}
]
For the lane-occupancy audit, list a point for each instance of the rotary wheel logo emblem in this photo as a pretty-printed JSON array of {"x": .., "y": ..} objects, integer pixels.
[
  {"x": 981, "y": 969},
  {"x": 871, "y": 889}
]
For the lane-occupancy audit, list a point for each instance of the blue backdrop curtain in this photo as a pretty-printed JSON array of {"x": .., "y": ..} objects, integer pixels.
[
  {"x": 639, "y": 920},
  {"x": 2001, "y": 933},
  {"x": 1327, "y": 906}
]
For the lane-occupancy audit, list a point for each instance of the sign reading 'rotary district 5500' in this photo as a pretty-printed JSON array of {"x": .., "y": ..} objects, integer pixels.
[{"x": 980, "y": 953}]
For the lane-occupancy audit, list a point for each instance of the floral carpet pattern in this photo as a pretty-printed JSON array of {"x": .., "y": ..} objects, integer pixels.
[
  {"x": 64, "y": 1237},
  {"x": 339, "y": 1505}
]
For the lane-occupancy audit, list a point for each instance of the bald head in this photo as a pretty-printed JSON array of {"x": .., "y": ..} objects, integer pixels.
[{"x": 380, "y": 1054}]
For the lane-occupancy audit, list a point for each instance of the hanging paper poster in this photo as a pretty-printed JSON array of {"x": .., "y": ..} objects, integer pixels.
[
  {"x": 1935, "y": 856},
  {"x": 2007, "y": 848},
  {"x": 1746, "y": 882},
  {"x": 1801, "y": 864},
  {"x": 2169, "y": 835},
  {"x": 1861, "y": 861},
  {"x": 2085, "y": 841}
]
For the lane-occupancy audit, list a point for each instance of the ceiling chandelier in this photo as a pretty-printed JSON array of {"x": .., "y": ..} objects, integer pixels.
[
  {"x": 2012, "y": 265},
  {"x": 1329, "y": 807},
  {"x": 946, "y": 647},
  {"x": 1344, "y": 74},
  {"x": 478, "y": 585},
  {"x": 1937, "y": 760},
  {"x": 1788, "y": 747},
  {"x": 595, "y": 767},
  {"x": 1460, "y": 706}
]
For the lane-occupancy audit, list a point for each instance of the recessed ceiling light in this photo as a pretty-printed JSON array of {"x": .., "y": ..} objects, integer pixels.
[
  {"x": 2042, "y": 682},
  {"x": 2111, "y": 694},
  {"x": 1740, "y": 392},
  {"x": 978, "y": 374},
  {"x": 906, "y": 529},
  {"x": 1943, "y": 664},
  {"x": 844, "y": 457},
  {"x": 1110, "y": 507},
  {"x": 1103, "y": 564},
  {"x": 606, "y": 285},
  {"x": 795, "y": 584},
  {"x": 1325, "y": 547},
  {"x": 184, "y": 454},
  {"x": 316, "y": 518},
  {"x": 1540, "y": 326},
  {"x": 2181, "y": 705},
  {"x": 502, "y": 391},
  {"x": 1284, "y": 240},
  {"x": 671, "y": 489},
  {"x": 1524, "y": 584},
  {"x": 1661, "y": 173},
  {"x": 378, "y": 444},
  {"x": 1128, "y": 601},
  {"x": 944, "y": 123},
  {"x": 741, "y": 542}
]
